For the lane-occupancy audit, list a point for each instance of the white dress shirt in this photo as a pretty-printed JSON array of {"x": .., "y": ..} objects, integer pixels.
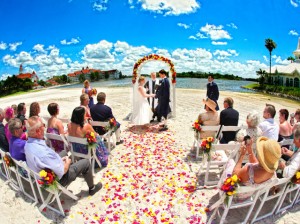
[{"x": 269, "y": 128}]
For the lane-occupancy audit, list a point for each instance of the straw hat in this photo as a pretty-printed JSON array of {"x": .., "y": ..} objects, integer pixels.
[
  {"x": 210, "y": 103},
  {"x": 268, "y": 153}
]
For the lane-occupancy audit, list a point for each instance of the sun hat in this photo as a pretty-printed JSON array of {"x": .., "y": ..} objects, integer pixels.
[
  {"x": 210, "y": 103},
  {"x": 268, "y": 153}
]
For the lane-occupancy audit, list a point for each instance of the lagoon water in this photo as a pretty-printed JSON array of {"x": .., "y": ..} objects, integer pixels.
[{"x": 186, "y": 83}]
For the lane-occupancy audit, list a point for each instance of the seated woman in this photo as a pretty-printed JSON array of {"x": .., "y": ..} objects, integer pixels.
[
  {"x": 84, "y": 102},
  {"x": 295, "y": 119},
  {"x": 261, "y": 168},
  {"x": 253, "y": 131},
  {"x": 16, "y": 146},
  {"x": 209, "y": 118},
  {"x": 8, "y": 114},
  {"x": 78, "y": 128},
  {"x": 55, "y": 126},
  {"x": 86, "y": 89},
  {"x": 285, "y": 128},
  {"x": 34, "y": 109}
]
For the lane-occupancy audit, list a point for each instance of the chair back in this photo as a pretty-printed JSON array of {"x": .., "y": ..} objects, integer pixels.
[
  {"x": 63, "y": 120},
  {"x": 62, "y": 138},
  {"x": 74, "y": 153},
  {"x": 99, "y": 123},
  {"x": 286, "y": 142}
]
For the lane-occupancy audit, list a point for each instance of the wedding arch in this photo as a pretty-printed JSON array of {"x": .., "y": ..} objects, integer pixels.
[{"x": 154, "y": 57}]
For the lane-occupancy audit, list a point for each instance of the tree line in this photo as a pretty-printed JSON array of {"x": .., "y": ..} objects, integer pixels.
[{"x": 12, "y": 84}]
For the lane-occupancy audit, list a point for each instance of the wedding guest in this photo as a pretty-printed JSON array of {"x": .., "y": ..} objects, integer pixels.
[
  {"x": 78, "y": 128},
  {"x": 212, "y": 90},
  {"x": 87, "y": 89},
  {"x": 293, "y": 164},
  {"x": 39, "y": 156},
  {"x": 3, "y": 141},
  {"x": 34, "y": 109},
  {"x": 261, "y": 168},
  {"x": 84, "y": 102},
  {"x": 295, "y": 119},
  {"x": 55, "y": 126},
  {"x": 269, "y": 128},
  {"x": 228, "y": 117},
  {"x": 8, "y": 114},
  {"x": 102, "y": 112},
  {"x": 285, "y": 128},
  {"x": 14, "y": 106},
  {"x": 22, "y": 112},
  {"x": 16, "y": 146},
  {"x": 209, "y": 118},
  {"x": 151, "y": 87}
]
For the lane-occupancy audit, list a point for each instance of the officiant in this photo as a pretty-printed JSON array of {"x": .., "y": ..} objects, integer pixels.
[{"x": 151, "y": 87}]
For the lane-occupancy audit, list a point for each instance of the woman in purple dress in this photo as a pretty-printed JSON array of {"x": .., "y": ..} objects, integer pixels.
[{"x": 87, "y": 89}]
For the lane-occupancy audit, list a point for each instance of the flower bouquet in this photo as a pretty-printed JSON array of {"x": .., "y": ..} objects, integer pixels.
[
  {"x": 296, "y": 178},
  {"x": 112, "y": 124},
  {"x": 48, "y": 179},
  {"x": 8, "y": 161},
  {"x": 197, "y": 128},
  {"x": 92, "y": 92},
  {"x": 91, "y": 139},
  {"x": 206, "y": 146},
  {"x": 230, "y": 186}
]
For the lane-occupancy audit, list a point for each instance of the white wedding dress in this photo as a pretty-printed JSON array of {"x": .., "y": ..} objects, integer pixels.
[{"x": 141, "y": 110}]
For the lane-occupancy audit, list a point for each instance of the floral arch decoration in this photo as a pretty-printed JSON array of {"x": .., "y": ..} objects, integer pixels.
[{"x": 153, "y": 57}]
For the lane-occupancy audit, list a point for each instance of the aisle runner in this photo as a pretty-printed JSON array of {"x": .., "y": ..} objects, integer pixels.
[{"x": 147, "y": 182}]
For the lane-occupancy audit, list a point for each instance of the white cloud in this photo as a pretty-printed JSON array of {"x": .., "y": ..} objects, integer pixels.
[
  {"x": 293, "y": 32},
  {"x": 232, "y": 25},
  {"x": 13, "y": 46},
  {"x": 221, "y": 54},
  {"x": 100, "y": 5},
  {"x": 294, "y": 3},
  {"x": 72, "y": 41},
  {"x": 192, "y": 37},
  {"x": 98, "y": 52},
  {"x": 185, "y": 26},
  {"x": 215, "y": 32},
  {"x": 3, "y": 46},
  {"x": 266, "y": 58},
  {"x": 219, "y": 43},
  {"x": 5, "y": 76},
  {"x": 278, "y": 60},
  {"x": 169, "y": 7},
  {"x": 39, "y": 48}
]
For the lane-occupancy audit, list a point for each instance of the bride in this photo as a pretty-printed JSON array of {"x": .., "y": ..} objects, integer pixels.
[{"x": 141, "y": 110}]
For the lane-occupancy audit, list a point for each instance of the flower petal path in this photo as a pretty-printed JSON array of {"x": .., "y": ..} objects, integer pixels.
[{"x": 146, "y": 181}]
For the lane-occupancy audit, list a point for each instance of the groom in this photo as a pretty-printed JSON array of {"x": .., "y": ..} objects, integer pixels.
[{"x": 163, "y": 95}]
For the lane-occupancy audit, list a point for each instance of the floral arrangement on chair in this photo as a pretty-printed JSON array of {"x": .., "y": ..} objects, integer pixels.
[
  {"x": 92, "y": 92},
  {"x": 112, "y": 124},
  {"x": 229, "y": 186},
  {"x": 8, "y": 161},
  {"x": 296, "y": 178},
  {"x": 196, "y": 126},
  {"x": 48, "y": 179},
  {"x": 206, "y": 146},
  {"x": 91, "y": 139}
]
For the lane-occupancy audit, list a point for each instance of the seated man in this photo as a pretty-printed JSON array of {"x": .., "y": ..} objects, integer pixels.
[
  {"x": 39, "y": 156},
  {"x": 101, "y": 112},
  {"x": 3, "y": 141},
  {"x": 16, "y": 145},
  {"x": 228, "y": 117},
  {"x": 293, "y": 164},
  {"x": 269, "y": 128}
]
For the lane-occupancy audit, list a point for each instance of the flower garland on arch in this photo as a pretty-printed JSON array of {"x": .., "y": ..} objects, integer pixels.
[{"x": 157, "y": 58}]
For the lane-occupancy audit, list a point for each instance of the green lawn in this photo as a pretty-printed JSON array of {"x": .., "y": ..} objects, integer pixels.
[{"x": 22, "y": 92}]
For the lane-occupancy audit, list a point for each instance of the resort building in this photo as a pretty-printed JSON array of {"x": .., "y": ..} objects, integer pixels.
[
  {"x": 32, "y": 76},
  {"x": 287, "y": 75},
  {"x": 111, "y": 74}
]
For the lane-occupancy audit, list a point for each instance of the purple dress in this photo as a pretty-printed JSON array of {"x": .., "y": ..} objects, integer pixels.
[
  {"x": 57, "y": 145},
  {"x": 91, "y": 103}
]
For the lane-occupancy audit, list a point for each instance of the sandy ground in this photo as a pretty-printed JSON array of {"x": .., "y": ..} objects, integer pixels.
[{"x": 175, "y": 145}]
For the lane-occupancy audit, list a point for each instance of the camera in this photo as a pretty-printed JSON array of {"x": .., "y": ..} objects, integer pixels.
[
  {"x": 292, "y": 115},
  {"x": 247, "y": 140}
]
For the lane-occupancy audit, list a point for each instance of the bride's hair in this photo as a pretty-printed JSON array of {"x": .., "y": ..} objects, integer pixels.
[{"x": 141, "y": 78}]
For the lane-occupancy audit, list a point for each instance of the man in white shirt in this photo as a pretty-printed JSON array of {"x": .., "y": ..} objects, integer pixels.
[
  {"x": 293, "y": 164},
  {"x": 269, "y": 127}
]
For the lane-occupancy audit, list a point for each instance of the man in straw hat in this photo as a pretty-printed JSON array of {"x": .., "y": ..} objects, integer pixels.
[
  {"x": 293, "y": 164},
  {"x": 263, "y": 166}
]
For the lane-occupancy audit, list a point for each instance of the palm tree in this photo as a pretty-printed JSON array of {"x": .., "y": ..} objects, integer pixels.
[
  {"x": 270, "y": 45},
  {"x": 291, "y": 58},
  {"x": 262, "y": 74}
]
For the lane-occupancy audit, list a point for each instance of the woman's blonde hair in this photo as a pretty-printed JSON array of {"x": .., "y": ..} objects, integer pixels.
[
  {"x": 86, "y": 83},
  {"x": 83, "y": 97},
  {"x": 141, "y": 78}
]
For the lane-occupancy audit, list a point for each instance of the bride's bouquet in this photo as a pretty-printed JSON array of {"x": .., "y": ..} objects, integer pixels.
[{"x": 92, "y": 92}]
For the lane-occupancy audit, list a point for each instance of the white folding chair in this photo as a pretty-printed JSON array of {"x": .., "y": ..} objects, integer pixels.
[
  {"x": 108, "y": 136},
  {"x": 53, "y": 195},
  {"x": 234, "y": 203},
  {"x": 288, "y": 142},
  {"x": 11, "y": 173},
  {"x": 3, "y": 167},
  {"x": 90, "y": 155},
  {"x": 288, "y": 198},
  {"x": 217, "y": 165},
  {"x": 197, "y": 139},
  {"x": 26, "y": 177},
  {"x": 64, "y": 120},
  {"x": 56, "y": 137},
  {"x": 267, "y": 208}
]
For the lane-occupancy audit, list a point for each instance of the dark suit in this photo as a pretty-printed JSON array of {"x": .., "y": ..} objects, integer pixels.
[
  {"x": 101, "y": 112},
  {"x": 163, "y": 95},
  {"x": 229, "y": 117},
  {"x": 3, "y": 141},
  {"x": 213, "y": 92}
]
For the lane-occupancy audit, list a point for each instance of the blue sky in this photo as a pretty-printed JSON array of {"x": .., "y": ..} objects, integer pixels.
[{"x": 54, "y": 37}]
